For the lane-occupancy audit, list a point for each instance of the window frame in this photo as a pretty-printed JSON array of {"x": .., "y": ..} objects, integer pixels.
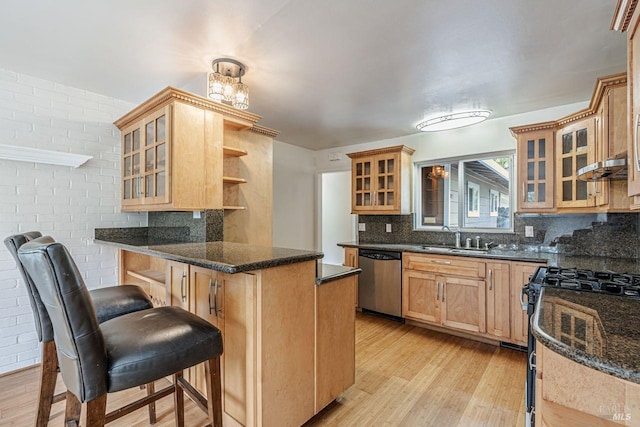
[{"x": 462, "y": 191}]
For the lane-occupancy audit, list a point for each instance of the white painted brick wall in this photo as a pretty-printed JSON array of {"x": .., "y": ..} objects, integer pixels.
[{"x": 63, "y": 202}]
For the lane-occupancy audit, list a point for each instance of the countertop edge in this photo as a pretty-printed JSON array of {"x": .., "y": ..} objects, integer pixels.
[
  {"x": 348, "y": 271},
  {"x": 576, "y": 355}
]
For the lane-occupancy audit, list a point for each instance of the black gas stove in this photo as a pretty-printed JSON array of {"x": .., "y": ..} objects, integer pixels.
[{"x": 602, "y": 282}]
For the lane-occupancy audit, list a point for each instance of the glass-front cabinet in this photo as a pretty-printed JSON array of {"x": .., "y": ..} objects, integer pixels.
[
  {"x": 381, "y": 180},
  {"x": 535, "y": 169},
  {"x": 145, "y": 161},
  {"x": 576, "y": 149}
]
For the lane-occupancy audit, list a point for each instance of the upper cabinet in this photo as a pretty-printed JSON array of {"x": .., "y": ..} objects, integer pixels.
[
  {"x": 552, "y": 156},
  {"x": 381, "y": 181},
  {"x": 627, "y": 18},
  {"x": 182, "y": 152}
]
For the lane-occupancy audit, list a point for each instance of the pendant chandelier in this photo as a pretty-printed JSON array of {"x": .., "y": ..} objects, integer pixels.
[
  {"x": 225, "y": 83},
  {"x": 453, "y": 120}
]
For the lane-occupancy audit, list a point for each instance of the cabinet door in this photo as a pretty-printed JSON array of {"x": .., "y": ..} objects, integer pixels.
[
  {"x": 156, "y": 157},
  {"x": 576, "y": 149},
  {"x": 520, "y": 274},
  {"x": 132, "y": 165},
  {"x": 421, "y": 296},
  {"x": 205, "y": 298},
  {"x": 362, "y": 184},
  {"x": 535, "y": 170},
  {"x": 178, "y": 286},
  {"x": 498, "y": 307},
  {"x": 463, "y": 304},
  {"x": 633, "y": 138},
  {"x": 239, "y": 369},
  {"x": 387, "y": 182},
  {"x": 351, "y": 260}
]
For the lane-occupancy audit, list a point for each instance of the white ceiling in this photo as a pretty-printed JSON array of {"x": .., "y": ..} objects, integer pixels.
[{"x": 326, "y": 73}]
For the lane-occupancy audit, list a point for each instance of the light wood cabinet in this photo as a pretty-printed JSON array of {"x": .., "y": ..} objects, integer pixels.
[
  {"x": 520, "y": 274},
  {"x": 435, "y": 289},
  {"x": 178, "y": 284},
  {"x": 498, "y": 299},
  {"x": 351, "y": 260},
  {"x": 381, "y": 181},
  {"x": 536, "y": 162},
  {"x": 575, "y": 149}
]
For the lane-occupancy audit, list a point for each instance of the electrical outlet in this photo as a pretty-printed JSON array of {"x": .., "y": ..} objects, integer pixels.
[
  {"x": 528, "y": 231},
  {"x": 196, "y": 215},
  {"x": 362, "y": 226},
  {"x": 388, "y": 228}
]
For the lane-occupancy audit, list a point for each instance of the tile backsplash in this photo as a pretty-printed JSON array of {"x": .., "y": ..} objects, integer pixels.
[{"x": 615, "y": 235}]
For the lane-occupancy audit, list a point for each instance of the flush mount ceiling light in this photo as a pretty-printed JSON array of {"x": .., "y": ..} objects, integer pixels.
[
  {"x": 453, "y": 120},
  {"x": 223, "y": 86}
]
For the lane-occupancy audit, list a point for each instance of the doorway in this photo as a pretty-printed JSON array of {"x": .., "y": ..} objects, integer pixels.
[{"x": 337, "y": 224}]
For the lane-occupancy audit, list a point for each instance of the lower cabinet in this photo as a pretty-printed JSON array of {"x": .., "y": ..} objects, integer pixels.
[
  {"x": 520, "y": 273},
  {"x": 351, "y": 260},
  {"x": 498, "y": 299}
]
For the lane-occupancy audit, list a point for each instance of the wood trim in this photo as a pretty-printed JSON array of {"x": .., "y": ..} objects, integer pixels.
[
  {"x": 386, "y": 150},
  {"x": 516, "y": 130},
  {"x": 622, "y": 15},
  {"x": 240, "y": 118}
]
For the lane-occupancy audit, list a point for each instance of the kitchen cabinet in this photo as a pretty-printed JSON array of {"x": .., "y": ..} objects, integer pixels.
[
  {"x": 351, "y": 260},
  {"x": 536, "y": 162},
  {"x": 575, "y": 150},
  {"x": 551, "y": 153},
  {"x": 381, "y": 181},
  {"x": 182, "y": 152},
  {"x": 449, "y": 291},
  {"x": 520, "y": 274},
  {"x": 498, "y": 299}
]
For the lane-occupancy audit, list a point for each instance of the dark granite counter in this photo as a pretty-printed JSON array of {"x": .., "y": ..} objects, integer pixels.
[
  {"x": 618, "y": 265},
  {"x": 329, "y": 272},
  {"x": 596, "y": 330},
  {"x": 220, "y": 256}
]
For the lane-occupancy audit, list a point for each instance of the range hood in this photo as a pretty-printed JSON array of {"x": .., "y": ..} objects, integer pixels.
[{"x": 615, "y": 168}]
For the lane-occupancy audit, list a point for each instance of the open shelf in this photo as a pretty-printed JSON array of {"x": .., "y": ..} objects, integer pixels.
[
  {"x": 234, "y": 152},
  {"x": 233, "y": 180},
  {"x": 149, "y": 276},
  {"x": 234, "y": 208}
]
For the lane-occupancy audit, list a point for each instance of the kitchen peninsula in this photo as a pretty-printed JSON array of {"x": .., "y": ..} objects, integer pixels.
[{"x": 289, "y": 336}]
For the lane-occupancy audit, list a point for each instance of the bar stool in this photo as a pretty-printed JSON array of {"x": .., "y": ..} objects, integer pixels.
[
  {"x": 109, "y": 302},
  {"x": 121, "y": 353}
]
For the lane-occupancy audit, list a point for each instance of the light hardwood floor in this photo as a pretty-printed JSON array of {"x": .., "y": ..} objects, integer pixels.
[{"x": 405, "y": 376}]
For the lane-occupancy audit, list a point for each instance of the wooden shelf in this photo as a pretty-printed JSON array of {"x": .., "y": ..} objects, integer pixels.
[
  {"x": 234, "y": 208},
  {"x": 150, "y": 276},
  {"x": 233, "y": 180},
  {"x": 234, "y": 152}
]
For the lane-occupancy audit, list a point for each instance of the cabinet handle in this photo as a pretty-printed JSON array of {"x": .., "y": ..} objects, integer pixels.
[
  {"x": 443, "y": 290},
  {"x": 216, "y": 310},
  {"x": 437, "y": 291},
  {"x": 209, "y": 299},
  {"x": 437, "y": 261},
  {"x": 524, "y": 198},
  {"x": 490, "y": 279},
  {"x": 522, "y": 303},
  {"x": 182, "y": 282}
]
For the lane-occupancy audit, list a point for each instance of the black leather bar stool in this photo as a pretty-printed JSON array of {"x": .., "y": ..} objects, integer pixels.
[
  {"x": 109, "y": 302},
  {"x": 121, "y": 353}
]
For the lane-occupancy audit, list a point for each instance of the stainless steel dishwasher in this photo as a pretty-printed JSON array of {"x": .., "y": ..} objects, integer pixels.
[{"x": 380, "y": 283}]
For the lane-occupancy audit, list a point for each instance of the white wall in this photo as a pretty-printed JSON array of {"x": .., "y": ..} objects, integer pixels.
[
  {"x": 294, "y": 197},
  {"x": 63, "y": 202},
  {"x": 338, "y": 224}
]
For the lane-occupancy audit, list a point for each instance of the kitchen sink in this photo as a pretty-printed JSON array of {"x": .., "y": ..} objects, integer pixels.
[{"x": 454, "y": 250}]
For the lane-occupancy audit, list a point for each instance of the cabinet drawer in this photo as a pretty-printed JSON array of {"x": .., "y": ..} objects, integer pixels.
[{"x": 458, "y": 266}]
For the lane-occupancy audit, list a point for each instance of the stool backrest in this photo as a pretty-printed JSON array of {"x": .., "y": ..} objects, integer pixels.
[
  {"x": 79, "y": 341},
  {"x": 43, "y": 323}
]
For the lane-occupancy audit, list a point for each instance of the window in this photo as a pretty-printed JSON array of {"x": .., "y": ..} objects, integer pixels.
[{"x": 465, "y": 193}]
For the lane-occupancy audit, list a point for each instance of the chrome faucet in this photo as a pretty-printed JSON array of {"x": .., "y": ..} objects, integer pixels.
[{"x": 457, "y": 233}]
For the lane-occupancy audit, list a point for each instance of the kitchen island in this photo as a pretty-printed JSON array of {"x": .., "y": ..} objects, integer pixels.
[
  {"x": 587, "y": 358},
  {"x": 289, "y": 336}
]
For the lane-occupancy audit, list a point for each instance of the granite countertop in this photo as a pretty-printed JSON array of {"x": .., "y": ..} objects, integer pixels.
[
  {"x": 329, "y": 272},
  {"x": 595, "y": 330},
  {"x": 618, "y": 265},
  {"x": 220, "y": 256}
]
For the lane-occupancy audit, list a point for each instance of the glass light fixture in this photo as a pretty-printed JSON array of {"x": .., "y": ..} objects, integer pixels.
[
  {"x": 223, "y": 86},
  {"x": 453, "y": 120}
]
